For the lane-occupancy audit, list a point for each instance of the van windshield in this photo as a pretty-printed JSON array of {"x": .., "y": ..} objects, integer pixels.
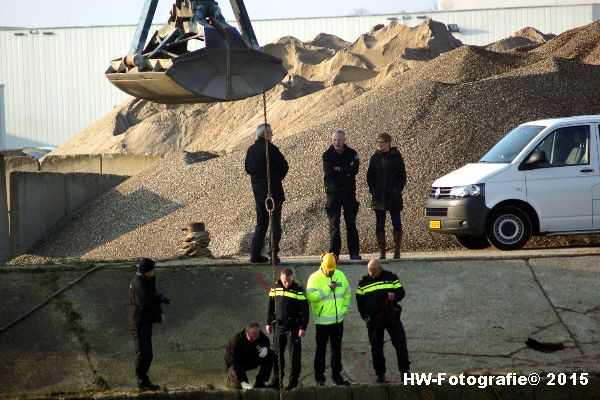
[{"x": 505, "y": 151}]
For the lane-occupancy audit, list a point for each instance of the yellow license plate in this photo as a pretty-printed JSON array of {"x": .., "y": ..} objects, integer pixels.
[{"x": 435, "y": 224}]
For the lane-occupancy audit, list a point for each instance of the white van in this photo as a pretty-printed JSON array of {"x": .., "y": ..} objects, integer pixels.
[{"x": 542, "y": 178}]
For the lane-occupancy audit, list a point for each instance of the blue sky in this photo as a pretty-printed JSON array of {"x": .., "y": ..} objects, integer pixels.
[{"x": 54, "y": 13}]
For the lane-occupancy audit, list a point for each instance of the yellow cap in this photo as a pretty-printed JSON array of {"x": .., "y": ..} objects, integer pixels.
[{"x": 328, "y": 262}]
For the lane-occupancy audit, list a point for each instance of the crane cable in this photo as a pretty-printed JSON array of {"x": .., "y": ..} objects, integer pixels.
[{"x": 270, "y": 206}]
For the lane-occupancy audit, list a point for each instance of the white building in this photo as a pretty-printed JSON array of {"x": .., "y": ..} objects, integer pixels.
[
  {"x": 54, "y": 84},
  {"x": 453, "y": 5}
]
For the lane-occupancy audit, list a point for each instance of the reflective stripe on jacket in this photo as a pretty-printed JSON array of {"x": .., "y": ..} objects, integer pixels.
[
  {"x": 328, "y": 306},
  {"x": 372, "y": 293},
  {"x": 288, "y": 306}
]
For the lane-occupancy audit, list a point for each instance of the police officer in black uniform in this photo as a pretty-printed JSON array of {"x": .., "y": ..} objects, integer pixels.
[
  {"x": 340, "y": 166},
  {"x": 287, "y": 316},
  {"x": 377, "y": 297},
  {"x": 144, "y": 310}
]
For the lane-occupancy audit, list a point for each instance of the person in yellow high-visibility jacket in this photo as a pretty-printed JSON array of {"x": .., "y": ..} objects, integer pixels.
[{"x": 329, "y": 293}]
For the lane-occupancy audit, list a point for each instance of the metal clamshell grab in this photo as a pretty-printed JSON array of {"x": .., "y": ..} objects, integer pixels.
[{"x": 226, "y": 69}]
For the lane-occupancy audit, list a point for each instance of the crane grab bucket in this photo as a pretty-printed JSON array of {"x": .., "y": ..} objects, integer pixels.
[{"x": 229, "y": 67}]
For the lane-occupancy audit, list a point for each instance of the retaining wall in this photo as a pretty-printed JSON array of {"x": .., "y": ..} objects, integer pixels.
[
  {"x": 40, "y": 200},
  {"x": 127, "y": 164},
  {"x": 17, "y": 163},
  {"x": 77, "y": 163},
  {"x": 116, "y": 164}
]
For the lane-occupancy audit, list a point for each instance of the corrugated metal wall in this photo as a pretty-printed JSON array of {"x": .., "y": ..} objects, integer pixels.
[
  {"x": 55, "y": 84},
  {"x": 2, "y": 119}
]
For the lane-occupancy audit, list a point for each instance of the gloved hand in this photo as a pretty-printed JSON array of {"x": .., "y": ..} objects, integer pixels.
[
  {"x": 246, "y": 385},
  {"x": 262, "y": 353}
]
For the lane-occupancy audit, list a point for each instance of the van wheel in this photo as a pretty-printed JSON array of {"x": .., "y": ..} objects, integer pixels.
[
  {"x": 508, "y": 228},
  {"x": 472, "y": 242}
]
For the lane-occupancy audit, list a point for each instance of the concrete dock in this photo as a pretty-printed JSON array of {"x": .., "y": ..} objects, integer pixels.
[{"x": 466, "y": 312}]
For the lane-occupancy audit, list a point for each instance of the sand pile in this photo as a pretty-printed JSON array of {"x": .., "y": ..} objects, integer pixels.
[
  {"x": 325, "y": 73},
  {"x": 522, "y": 40},
  {"x": 439, "y": 123}
]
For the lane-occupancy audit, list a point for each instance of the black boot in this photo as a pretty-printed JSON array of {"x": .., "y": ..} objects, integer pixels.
[
  {"x": 381, "y": 243},
  {"x": 340, "y": 381},
  {"x": 397, "y": 243},
  {"x": 146, "y": 386}
]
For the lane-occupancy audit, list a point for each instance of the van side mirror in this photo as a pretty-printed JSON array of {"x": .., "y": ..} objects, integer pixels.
[{"x": 536, "y": 158}]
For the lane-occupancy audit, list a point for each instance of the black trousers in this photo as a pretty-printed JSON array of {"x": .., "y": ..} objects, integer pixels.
[
  {"x": 280, "y": 341},
  {"x": 142, "y": 339},
  {"x": 324, "y": 334},
  {"x": 335, "y": 203},
  {"x": 265, "y": 365},
  {"x": 262, "y": 226},
  {"x": 376, "y": 328}
]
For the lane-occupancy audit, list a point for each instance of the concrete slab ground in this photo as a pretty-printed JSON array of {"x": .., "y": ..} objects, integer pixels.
[{"x": 460, "y": 315}]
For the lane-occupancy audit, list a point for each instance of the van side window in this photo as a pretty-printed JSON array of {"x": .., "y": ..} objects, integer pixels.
[{"x": 566, "y": 146}]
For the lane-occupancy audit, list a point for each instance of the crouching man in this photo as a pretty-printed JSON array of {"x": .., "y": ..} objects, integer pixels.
[{"x": 248, "y": 350}]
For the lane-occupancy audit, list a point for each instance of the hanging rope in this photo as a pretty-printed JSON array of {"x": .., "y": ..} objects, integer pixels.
[{"x": 270, "y": 206}]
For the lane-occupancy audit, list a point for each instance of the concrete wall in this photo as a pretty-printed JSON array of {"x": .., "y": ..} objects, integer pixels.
[
  {"x": 35, "y": 201},
  {"x": 17, "y": 163},
  {"x": 76, "y": 163},
  {"x": 115, "y": 164},
  {"x": 127, "y": 164},
  {"x": 4, "y": 243},
  {"x": 40, "y": 200}
]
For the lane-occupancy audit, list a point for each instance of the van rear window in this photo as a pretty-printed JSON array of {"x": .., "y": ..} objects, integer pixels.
[{"x": 505, "y": 151}]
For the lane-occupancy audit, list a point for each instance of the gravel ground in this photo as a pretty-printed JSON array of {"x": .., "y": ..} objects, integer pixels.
[{"x": 442, "y": 115}]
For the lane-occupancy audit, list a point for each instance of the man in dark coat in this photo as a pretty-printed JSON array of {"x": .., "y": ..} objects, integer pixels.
[
  {"x": 288, "y": 314},
  {"x": 144, "y": 310},
  {"x": 247, "y": 350},
  {"x": 340, "y": 166},
  {"x": 256, "y": 167},
  {"x": 386, "y": 177},
  {"x": 378, "y": 296}
]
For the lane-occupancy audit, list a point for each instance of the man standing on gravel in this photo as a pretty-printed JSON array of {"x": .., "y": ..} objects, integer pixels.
[
  {"x": 340, "y": 166},
  {"x": 144, "y": 310},
  {"x": 378, "y": 299},
  {"x": 256, "y": 167}
]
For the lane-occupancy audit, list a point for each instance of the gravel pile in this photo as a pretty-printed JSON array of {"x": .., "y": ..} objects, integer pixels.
[
  {"x": 324, "y": 74},
  {"x": 442, "y": 115}
]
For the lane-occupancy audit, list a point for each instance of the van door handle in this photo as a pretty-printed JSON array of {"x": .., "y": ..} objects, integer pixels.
[{"x": 587, "y": 170}]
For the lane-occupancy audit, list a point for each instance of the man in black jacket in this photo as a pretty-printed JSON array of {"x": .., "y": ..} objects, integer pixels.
[
  {"x": 340, "y": 166},
  {"x": 386, "y": 177},
  {"x": 288, "y": 314},
  {"x": 144, "y": 310},
  {"x": 247, "y": 350},
  {"x": 377, "y": 297},
  {"x": 256, "y": 167}
]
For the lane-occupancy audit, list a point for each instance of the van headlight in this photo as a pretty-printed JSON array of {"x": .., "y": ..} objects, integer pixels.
[{"x": 467, "y": 191}]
